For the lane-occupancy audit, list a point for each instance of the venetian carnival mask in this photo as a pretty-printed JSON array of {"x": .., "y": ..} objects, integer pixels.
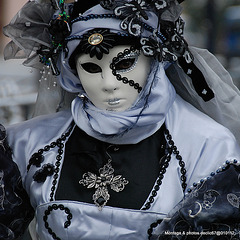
[
  {"x": 113, "y": 82},
  {"x": 63, "y": 26}
]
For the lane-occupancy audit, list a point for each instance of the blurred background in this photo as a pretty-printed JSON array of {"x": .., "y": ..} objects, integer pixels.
[
  {"x": 18, "y": 84},
  {"x": 210, "y": 24}
]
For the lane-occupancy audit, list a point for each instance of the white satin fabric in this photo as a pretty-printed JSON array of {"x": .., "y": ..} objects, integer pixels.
[
  {"x": 203, "y": 144},
  {"x": 138, "y": 122}
]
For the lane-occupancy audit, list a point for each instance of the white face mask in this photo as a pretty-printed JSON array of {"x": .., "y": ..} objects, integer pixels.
[{"x": 102, "y": 87}]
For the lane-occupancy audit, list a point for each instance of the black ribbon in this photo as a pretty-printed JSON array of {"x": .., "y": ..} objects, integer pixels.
[{"x": 199, "y": 83}]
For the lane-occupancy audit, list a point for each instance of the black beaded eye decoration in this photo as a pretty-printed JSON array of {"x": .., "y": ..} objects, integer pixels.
[
  {"x": 127, "y": 63},
  {"x": 117, "y": 61},
  {"x": 97, "y": 42}
]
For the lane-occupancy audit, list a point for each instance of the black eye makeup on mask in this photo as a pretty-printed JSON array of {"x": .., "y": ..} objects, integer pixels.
[
  {"x": 91, "y": 67},
  {"x": 125, "y": 62},
  {"x": 123, "y": 65}
]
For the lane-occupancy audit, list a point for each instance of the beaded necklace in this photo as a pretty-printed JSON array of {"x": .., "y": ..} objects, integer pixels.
[
  {"x": 164, "y": 163},
  {"x": 49, "y": 170}
]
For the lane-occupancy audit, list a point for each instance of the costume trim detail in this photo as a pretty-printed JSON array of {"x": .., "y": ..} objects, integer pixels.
[
  {"x": 219, "y": 170},
  {"x": 49, "y": 211},
  {"x": 164, "y": 163},
  {"x": 116, "y": 72},
  {"x": 48, "y": 169},
  {"x": 203, "y": 200}
]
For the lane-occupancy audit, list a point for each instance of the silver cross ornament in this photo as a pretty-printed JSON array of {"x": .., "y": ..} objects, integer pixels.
[{"x": 100, "y": 183}]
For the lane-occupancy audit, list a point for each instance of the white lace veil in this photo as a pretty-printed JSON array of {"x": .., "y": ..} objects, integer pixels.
[{"x": 224, "y": 107}]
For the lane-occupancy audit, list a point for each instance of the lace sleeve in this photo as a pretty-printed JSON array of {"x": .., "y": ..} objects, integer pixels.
[
  {"x": 15, "y": 209},
  {"x": 210, "y": 210}
]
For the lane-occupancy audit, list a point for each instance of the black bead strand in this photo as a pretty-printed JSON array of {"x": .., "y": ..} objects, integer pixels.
[
  {"x": 164, "y": 163},
  {"x": 118, "y": 76},
  {"x": 37, "y": 158}
]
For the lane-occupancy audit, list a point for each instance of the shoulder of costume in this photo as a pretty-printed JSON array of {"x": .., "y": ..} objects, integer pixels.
[
  {"x": 202, "y": 142},
  {"x": 28, "y": 137},
  {"x": 186, "y": 120},
  {"x": 52, "y": 122}
]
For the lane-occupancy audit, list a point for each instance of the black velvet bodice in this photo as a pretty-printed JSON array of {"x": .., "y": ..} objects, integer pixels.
[{"x": 138, "y": 163}]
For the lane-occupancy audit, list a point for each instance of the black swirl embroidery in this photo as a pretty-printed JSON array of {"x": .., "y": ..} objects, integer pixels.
[{"x": 49, "y": 211}]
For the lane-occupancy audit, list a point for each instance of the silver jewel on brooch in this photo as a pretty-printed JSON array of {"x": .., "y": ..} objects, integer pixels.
[
  {"x": 95, "y": 39},
  {"x": 100, "y": 183}
]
